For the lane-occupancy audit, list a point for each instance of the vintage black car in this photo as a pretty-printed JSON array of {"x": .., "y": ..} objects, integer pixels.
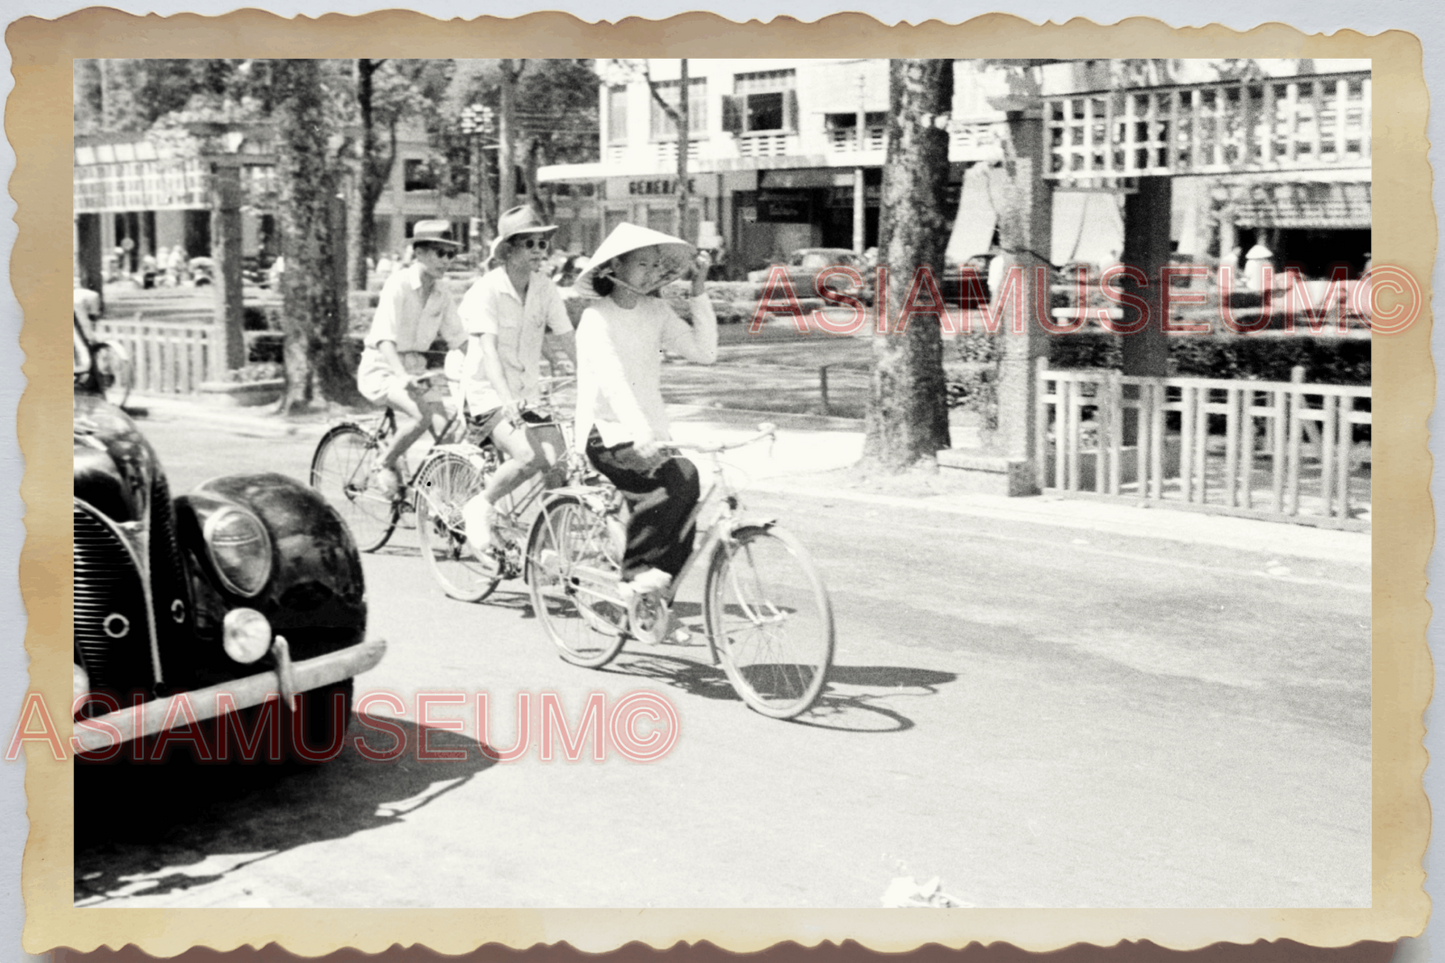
[{"x": 242, "y": 601}]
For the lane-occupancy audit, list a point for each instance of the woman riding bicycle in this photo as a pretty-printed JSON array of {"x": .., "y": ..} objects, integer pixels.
[
  {"x": 414, "y": 308},
  {"x": 507, "y": 313},
  {"x": 620, "y": 413}
]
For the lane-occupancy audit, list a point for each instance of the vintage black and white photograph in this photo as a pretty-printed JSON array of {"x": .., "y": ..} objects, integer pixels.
[{"x": 937, "y": 483}]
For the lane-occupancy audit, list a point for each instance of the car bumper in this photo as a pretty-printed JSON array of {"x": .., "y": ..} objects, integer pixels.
[{"x": 284, "y": 680}]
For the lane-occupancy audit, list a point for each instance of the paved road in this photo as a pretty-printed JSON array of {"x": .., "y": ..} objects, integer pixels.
[{"x": 1037, "y": 715}]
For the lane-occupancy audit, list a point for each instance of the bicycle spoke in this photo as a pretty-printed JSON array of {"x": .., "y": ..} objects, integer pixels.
[
  {"x": 571, "y": 567},
  {"x": 771, "y": 622},
  {"x": 444, "y": 485},
  {"x": 343, "y": 470}
]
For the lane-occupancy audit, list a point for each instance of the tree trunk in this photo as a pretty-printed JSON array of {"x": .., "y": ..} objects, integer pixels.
[
  {"x": 531, "y": 160},
  {"x": 376, "y": 166},
  {"x": 365, "y": 229},
  {"x": 313, "y": 302},
  {"x": 506, "y": 133},
  {"x": 486, "y": 202},
  {"x": 907, "y": 418},
  {"x": 682, "y": 135}
]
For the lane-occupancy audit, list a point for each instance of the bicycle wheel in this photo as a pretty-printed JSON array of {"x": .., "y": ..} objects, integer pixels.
[
  {"x": 445, "y": 483},
  {"x": 770, "y": 620},
  {"x": 114, "y": 373},
  {"x": 573, "y": 569},
  {"x": 342, "y": 470}
]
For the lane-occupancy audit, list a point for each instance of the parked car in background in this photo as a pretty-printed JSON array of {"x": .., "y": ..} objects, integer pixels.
[
  {"x": 242, "y": 599},
  {"x": 956, "y": 293},
  {"x": 806, "y": 264}
]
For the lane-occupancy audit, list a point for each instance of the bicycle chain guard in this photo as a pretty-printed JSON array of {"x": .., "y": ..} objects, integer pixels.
[{"x": 649, "y": 618}]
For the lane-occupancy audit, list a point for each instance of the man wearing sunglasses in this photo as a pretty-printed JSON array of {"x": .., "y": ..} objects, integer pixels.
[
  {"x": 507, "y": 313},
  {"x": 413, "y": 310}
]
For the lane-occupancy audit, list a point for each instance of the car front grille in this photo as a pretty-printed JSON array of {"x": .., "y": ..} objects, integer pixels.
[{"x": 112, "y": 631}]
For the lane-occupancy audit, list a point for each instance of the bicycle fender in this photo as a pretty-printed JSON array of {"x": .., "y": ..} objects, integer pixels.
[{"x": 746, "y": 526}]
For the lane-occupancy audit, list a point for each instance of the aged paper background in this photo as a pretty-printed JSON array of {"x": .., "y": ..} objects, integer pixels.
[{"x": 37, "y": 124}]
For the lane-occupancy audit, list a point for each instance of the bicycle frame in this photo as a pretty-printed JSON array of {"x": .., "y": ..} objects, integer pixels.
[{"x": 721, "y": 530}]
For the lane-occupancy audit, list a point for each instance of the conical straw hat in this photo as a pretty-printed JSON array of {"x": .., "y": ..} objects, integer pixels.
[{"x": 629, "y": 237}]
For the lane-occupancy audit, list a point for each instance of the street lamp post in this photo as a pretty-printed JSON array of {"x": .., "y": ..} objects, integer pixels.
[{"x": 477, "y": 122}]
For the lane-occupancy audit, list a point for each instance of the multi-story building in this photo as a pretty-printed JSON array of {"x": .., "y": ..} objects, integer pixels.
[
  {"x": 778, "y": 154},
  {"x": 146, "y": 196}
]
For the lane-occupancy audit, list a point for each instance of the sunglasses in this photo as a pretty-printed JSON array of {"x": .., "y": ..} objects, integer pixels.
[
  {"x": 535, "y": 243},
  {"x": 445, "y": 253}
]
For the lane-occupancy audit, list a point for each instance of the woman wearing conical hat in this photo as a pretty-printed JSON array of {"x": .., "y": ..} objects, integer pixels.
[{"x": 621, "y": 421}]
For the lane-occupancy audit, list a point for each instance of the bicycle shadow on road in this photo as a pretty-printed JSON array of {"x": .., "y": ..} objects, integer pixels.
[
  {"x": 860, "y": 698},
  {"x": 864, "y": 698},
  {"x": 187, "y": 824}
]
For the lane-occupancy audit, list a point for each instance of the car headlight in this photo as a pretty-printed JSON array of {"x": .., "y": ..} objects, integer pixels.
[
  {"x": 246, "y": 635},
  {"x": 240, "y": 549}
]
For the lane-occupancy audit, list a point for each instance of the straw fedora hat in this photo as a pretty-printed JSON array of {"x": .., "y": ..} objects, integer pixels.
[
  {"x": 433, "y": 232},
  {"x": 518, "y": 220},
  {"x": 629, "y": 237}
]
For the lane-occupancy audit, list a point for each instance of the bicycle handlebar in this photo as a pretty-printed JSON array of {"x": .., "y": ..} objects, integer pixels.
[
  {"x": 765, "y": 430},
  {"x": 428, "y": 376}
]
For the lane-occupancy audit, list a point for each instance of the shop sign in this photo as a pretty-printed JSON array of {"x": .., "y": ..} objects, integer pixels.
[
  {"x": 659, "y": 186},
  {"x": 785, "y": 208}
]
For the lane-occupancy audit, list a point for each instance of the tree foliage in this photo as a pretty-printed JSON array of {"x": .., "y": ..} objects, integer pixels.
[
  {"x": 553, "y": 120},
  {"x": 314, "y": 305}
]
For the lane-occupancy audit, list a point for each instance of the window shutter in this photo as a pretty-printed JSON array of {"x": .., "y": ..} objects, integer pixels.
[
  {"x": 732, "y": 114},
  {"x": 790, "y": 110}
]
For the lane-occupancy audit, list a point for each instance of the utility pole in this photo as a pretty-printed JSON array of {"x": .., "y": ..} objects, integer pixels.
[
  {"x": 860, "y": 203},
  {"x": 477, "y": 122},
  {"x": 682, "y": 141}
]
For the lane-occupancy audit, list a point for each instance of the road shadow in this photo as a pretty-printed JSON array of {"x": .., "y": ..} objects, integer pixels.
[
  {"x": 151, "y": 829},
  {"x": 857, "y": 698},
  {"x": 865, "y": 698}
]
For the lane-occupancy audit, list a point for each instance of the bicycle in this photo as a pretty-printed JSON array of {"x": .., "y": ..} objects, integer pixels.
[
  {"x": 454, "y": 477},
  {"x": 767, "y": 614},
  {"x": 344, "y": 465}
]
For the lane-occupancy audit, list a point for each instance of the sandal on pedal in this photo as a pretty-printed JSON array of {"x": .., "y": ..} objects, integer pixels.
[
  {"x": 649, "y": 580},
  {"x": 386, "y": 481},
  {"x": 478, "y": 515}
]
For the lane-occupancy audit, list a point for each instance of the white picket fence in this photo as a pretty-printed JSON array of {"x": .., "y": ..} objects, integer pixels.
[
  {"x": 1280, "y": 450},
  {"x": 169, "y": 356}
]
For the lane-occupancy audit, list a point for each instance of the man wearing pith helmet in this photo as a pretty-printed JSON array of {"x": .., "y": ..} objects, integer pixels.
[
  {"x": 507, "y": 313},
  {"x": 413, "y": 310}
]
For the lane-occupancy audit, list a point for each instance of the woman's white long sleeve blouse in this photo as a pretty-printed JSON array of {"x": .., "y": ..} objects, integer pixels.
[{"x": 619, "y": 365}]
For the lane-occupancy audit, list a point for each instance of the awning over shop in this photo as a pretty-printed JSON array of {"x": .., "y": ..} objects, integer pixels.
[
  {"x": 973, "y": 227},
  {"x": 1087, "y": 225},
  {"x": 1303, "y": 205}
]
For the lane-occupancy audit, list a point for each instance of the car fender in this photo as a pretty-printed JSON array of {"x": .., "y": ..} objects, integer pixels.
[{"x": 316, "y": 593}]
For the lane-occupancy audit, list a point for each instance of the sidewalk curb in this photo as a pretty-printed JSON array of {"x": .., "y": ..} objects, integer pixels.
[
  {"x": 259, "y": 421},
  {"x": 1270, "y": 538},
  {"x": 1273, "y": 538}
]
